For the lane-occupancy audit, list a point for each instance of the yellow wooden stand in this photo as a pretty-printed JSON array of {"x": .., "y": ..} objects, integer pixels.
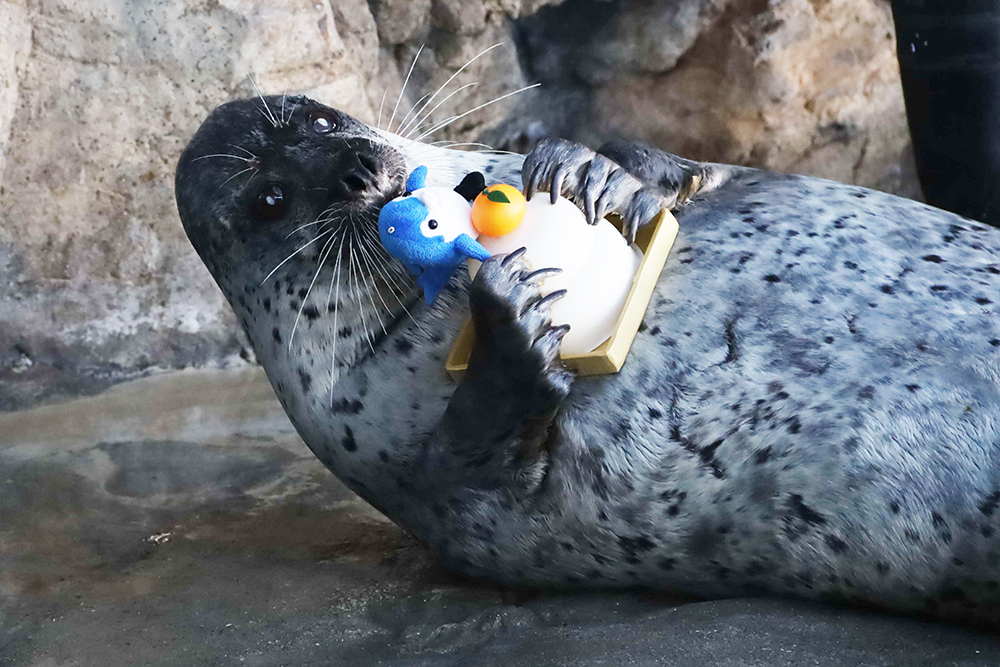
[{"x": 655, "y": 240}]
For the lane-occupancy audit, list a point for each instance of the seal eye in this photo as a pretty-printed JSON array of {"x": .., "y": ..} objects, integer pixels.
[
  {"x": 433, "y": 224},
  {"x": 271, "y": 203},
  {"x": 322, "y": 123}
]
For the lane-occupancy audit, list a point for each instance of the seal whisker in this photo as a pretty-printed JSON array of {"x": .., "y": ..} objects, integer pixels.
[
  {"x": 421, "y": 123},
  {"x": 283, "y": 95},
  {"x": 240, "y": 148},
  {"x": 269, "y": 115},
  {"x": 445, "y": 123},
  {"x": 296, "y": 252},
  {"x": 369, "y": 261},
  {"x": 407, "y": 118},
  {"x": 251, "y": 168},
  {"x": 357, "y": 293},
  {"x": 335, "y": 279},
  {"x": 324, "y": 253},
  {"x": 310, "y": 224},
  {"x": 390, "y": 263},
  {"x": 403, "y": 89},
  {"x": 267, "y": 110},
  {"x": 235, "y": 157},
  {"x": 370, "y": 285},
  {"x": 452, "y": 78},
  {"x": 378, "y": 123}
]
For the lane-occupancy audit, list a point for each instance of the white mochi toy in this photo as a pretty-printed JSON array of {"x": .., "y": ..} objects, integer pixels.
[{"x": 597, "y": 263}]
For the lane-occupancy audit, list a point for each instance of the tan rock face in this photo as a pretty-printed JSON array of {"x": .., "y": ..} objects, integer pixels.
[{"x": 98, "y": 98}]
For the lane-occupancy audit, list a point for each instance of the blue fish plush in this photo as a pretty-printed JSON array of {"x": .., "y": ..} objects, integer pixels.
[{"x": 430, "y": 229}]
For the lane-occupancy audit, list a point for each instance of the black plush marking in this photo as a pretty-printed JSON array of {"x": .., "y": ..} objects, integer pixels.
[
  {"x": 471, "y": 185},
  {"x": 306, "y": 380}
]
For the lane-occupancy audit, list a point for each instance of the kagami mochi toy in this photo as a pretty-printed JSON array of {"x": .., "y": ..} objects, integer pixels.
[{"x": 432, "y": 230}]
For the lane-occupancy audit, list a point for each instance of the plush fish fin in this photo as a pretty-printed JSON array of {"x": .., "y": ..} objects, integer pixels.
[
  {"x": 470, "y": 247},
  {"x": 416, "y": 179},
  {"x": 432, "y": 281}
]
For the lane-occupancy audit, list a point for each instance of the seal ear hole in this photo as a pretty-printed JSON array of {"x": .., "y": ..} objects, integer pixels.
[
  {"x": 270, "y": 203},
  {"x": 322, "y": 122}
]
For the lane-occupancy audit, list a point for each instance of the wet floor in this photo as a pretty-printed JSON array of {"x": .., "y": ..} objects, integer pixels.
[{"x": 179, "y": 520}]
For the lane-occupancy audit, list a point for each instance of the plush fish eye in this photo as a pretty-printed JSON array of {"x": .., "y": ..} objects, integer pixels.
[
  {"x": 322, "y": 123},
  {"x": 270, "y": 203}
]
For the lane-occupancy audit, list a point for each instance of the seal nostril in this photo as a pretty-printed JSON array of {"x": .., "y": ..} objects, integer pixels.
[
  {"x": 368, "y": 163},
  {"x": 354, "y": 182}
]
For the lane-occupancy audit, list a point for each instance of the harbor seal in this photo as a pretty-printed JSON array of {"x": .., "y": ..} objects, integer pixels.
[{"x": 811, "y": 407}]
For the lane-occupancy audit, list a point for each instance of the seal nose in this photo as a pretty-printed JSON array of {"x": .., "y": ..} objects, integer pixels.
[{"x": 360, "y": 175}]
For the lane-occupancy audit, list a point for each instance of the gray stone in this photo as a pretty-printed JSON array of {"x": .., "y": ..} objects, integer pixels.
[
  {"x": 98, "y": 282},
  {"x": 180, "y": 521}
]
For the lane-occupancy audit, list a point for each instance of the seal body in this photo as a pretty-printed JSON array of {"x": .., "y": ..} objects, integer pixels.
[{"x": 811, "y": 407}]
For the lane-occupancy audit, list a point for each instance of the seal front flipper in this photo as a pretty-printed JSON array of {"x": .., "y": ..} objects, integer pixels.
[
  {"x": 596, "y": 183},
  {"x": 497, "y": 422}
]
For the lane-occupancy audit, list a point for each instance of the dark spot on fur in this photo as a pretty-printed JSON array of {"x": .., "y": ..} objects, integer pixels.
[
  {"x": 621, "y": 430},
  {"x": 894, "y": 507},
  {"x": 867, "y": 393},
  {"x": 345, "y": 406},
  {"x": 828, "y": 339},
  {"x": 938, "y": 288},
  {"x": 383, "y": 455},
  {"x": 305, "y": 379},
  {"x": 761, "y": 456},
  {"x": 276, "y": 334},
  {"x": 933, "y": 258},
  {"x": 837, "y": 545},
  {"x": 293, "y": 305},
  {"x": 990, "y": 504},
  {"x": 804, "y": 512},
  {"x": 982, "y": 301},
  {"x": 913, "y": 387},
  {"x": 882, "y": 568},
  {"x": 349, "y": 443},
  {"x": 267, "y": 304},
  {"x": 733, "y": 353},
  {"x": 794, "y": 425},
  {"x": 403, "y": 346},
  {"x": 995, "y": 342},
  {"x": 887, "y": 289},
  {"x": 772, "y": 278},
  {"x": 850, "y": 265},
  {"x": 937, "y": 520},
  {"x": 654, "y": 413},
  {"x": 634, "y": 546},
  {"x": 311, "y": 313}
]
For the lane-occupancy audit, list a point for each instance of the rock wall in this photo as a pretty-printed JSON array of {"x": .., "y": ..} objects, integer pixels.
[{"x": 98, "y": 98}]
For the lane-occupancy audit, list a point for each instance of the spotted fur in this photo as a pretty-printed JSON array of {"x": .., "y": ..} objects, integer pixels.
[{"x": 811, "y": 407}]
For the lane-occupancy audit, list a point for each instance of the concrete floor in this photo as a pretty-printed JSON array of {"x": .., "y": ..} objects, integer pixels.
[{"x": 179, "y": 520}]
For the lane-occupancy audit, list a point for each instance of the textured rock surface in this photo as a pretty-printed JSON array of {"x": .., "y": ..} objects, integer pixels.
[
  {"x": 97, "y": 99},
  {"x": 179, "y": 521}
]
